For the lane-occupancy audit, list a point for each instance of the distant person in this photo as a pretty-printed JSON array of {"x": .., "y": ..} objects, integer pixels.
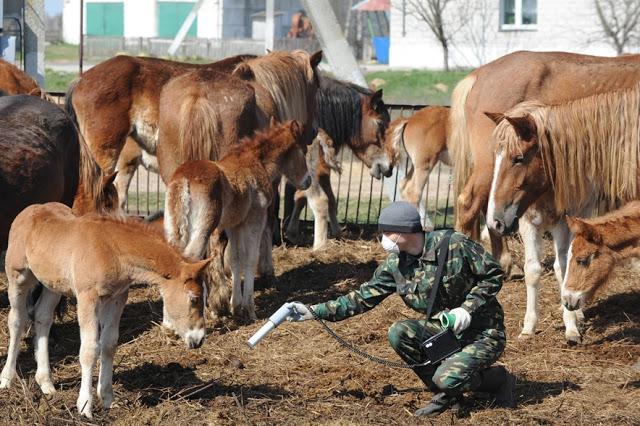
[{"x": 300, "y": 26}]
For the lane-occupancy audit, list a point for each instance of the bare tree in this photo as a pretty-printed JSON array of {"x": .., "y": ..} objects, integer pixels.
[
  {"x": 442, "y": 25},
  {"x": 619, "y": 20}
]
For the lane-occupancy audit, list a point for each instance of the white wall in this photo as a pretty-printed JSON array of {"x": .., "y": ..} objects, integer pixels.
[
  {"x": 71, "y": 21},
  {"x": 568, "y": 25},
  {"x": 209, "y": 19},
  {"x": 140, "y": 18}
]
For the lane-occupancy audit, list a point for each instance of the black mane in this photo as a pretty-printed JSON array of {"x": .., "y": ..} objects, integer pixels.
[{"x": 339, "y": 109}]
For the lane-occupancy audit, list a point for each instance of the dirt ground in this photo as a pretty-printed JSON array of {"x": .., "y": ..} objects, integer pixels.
[{"x": 299, "y": 375}]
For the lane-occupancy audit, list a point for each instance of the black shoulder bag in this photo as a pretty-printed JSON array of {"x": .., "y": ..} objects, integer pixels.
[{"x": 444, "y": 344}]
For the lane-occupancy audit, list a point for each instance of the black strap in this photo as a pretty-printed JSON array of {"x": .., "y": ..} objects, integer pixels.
[{"x": 443, "y": 251}]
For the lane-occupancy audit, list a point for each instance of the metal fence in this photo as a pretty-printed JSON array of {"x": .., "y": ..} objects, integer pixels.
[
  {"x": 105, "y": 47},
  {"x": 359, "y": 196}
]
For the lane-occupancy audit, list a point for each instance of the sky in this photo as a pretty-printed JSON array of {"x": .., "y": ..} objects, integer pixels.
[{"x": 53, "y": 7}]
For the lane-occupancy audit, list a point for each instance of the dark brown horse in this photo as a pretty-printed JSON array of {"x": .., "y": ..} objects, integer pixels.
[{"x": 43, "y": 159}]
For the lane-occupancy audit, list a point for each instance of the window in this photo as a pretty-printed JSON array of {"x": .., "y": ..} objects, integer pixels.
[{"x": 518, "y": 14}]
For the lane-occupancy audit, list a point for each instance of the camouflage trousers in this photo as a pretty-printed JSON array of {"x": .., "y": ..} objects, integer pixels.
[{"x": 458, "y": 373}]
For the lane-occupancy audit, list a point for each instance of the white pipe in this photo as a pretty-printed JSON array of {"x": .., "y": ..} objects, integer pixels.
[
  {"x": 184, "y": 29},
  {"x": 269, "y": 26}
]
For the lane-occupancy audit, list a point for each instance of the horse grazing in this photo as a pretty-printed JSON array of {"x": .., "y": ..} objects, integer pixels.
[
  {"x": 95, "y": 259},
  {"x": 14, "y": 81},
  {"x": 549, "y": 77},
  {"x": 598, "y": 245},
  {"x": 563, "y": 158},
  {"x": 234, "y": 195},
  {"x": 351, "y": 116},
  {"x": 45, "y": 159},
  {"x": 423, "y": 140}
]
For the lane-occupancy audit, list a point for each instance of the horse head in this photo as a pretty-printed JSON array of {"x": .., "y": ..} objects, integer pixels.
[
  {"x": 519, "y": 175},
  {"x": 184, "y": 300},
  {"x": 375, "y": 120},
  {"x": 589, "y": 264},
  {"x": 293, "y": 164}
]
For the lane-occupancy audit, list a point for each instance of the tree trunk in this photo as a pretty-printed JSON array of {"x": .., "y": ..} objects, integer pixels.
[{"x": 445, "y": 55}]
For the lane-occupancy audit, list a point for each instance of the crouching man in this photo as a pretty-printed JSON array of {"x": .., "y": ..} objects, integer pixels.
[{"x": 470, "y": 282}]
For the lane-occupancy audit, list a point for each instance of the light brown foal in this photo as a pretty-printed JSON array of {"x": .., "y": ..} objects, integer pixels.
[{"x": 96, "y": 259}]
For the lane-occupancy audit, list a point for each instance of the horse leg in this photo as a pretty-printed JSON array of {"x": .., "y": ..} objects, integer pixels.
[
  {"x": 293, "y": 227},
  {"x": 319, "y": 203},
  {"x": 325, "y": 183},
  {"x": 45, "y": 308},
  {"x": 235, "y": 251},
  {"x": 128, "y": 162},
  {"x": 20, "y": 283},
  {"x": 109, "y": 322},
  {"x": 219, "y": 293},
  {"x": 561, "y": 242},
  {"x": 532, "y": 240},
  {"x": 88, "y": 320},
  {"x": 412, "y": 192},
  {"x": 254, "y": 226}
]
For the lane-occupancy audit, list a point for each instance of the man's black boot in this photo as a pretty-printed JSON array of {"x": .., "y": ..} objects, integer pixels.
[
  {"x": 498, "y": 382},
  {"x": 440, "y": 403}
]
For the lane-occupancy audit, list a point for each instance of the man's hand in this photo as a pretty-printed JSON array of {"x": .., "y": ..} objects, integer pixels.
[
  {"x": 463, "y": 319},
  {"x": 299, "y": 312}
]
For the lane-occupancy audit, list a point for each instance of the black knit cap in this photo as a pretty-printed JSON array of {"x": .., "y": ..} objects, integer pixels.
[{"x": 399, "y": 216}]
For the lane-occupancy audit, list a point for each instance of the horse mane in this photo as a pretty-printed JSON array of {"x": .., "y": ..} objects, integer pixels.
[
  {"x": 596, "y": 137},
  {"x": 338, "y": 109},
  {"x": 614, "y": 226},
  {"x": 286, "y": 80}
]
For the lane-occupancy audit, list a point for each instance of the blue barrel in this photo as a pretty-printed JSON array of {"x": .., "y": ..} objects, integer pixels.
[{"x": 381, "y": 44}]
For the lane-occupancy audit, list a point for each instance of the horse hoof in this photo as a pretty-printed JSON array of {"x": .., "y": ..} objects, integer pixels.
[
  {"x": 525, "y": 336},
  {"x": 5, "y": 383},
  {"x": 47, "y": 388},
  {"x": 516, "y": 273},
  {"x": 573, "y": 339}
]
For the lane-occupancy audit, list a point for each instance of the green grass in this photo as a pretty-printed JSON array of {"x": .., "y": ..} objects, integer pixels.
[
  {"x": 61, "y": 52},
  {"x": 57, "y": 81},
  {"x": 417, "y": 86}
]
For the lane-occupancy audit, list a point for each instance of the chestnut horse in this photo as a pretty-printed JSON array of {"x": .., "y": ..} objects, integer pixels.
[
  {"x": 119, "y": 98},
  {"x": 549, "y": 77},
  {"x": 14, "y": 81},
  {"x": 564, "y": 158},
  {"x": 351, "y": 116},
  {"x": 598, "y": 245},
  {"x": 44, "y": 159},
  {"x": 423, "y": 139},
  {"x": 234, "y": 195},
  {"x": 95, "y": 259}
]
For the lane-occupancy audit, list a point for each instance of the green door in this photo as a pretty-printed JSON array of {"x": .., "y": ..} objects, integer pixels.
[
  {"x": 105, "y": 19},
  {"x": 171, "y": 15}
]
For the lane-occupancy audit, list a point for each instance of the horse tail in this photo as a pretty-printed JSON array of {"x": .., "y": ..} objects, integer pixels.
[
  {"x": 198, "y": 129},
  {"x": 459, "y": 137}
]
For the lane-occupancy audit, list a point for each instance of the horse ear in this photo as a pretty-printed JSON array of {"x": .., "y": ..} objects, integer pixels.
[
  {"x": 584, "y": 229},
  {"x": 196, "y": 268},
  {"x": 524, "y": 126},
  {"x": 496, "y": 117},
  {"x": 269, "y": 51},
  {"x": 272, "y": 121},
  {"x": 295, "y": 128},
  {"x": 244, "y": 72},
  {"x": 315, "y": 59},
  {"x": 109, "y": 179},
  {"x": 375, "y": 98}
]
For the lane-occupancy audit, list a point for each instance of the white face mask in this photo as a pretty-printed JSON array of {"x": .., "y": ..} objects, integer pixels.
[{"x": 390, "y": 245}]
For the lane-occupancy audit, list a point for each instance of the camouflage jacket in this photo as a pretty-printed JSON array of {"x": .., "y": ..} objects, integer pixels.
[{"x": 471, "y": 280}]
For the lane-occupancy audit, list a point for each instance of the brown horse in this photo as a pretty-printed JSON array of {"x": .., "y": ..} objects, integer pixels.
[
  {"x": 14, "y": 81},
  {"x": 563, "y": 158},
  {"x": 549, "y": 77},
  {"x": 205, "y": 112},
  {"x": 95, "y": 259},
  {"x": 120, "y": 97},
  {"x": 598, "y": 245},
  {"x": 423, "y": 140},
  {"x": 44, "y": 159},
  {"x": 351, "y": 116},
  {"x": 234, "y": 195}
]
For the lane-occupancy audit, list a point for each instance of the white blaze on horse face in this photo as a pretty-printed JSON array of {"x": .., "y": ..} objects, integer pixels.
[
  {"x": 570, "y": 299},
  {"x": 492, "y": 195}
]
